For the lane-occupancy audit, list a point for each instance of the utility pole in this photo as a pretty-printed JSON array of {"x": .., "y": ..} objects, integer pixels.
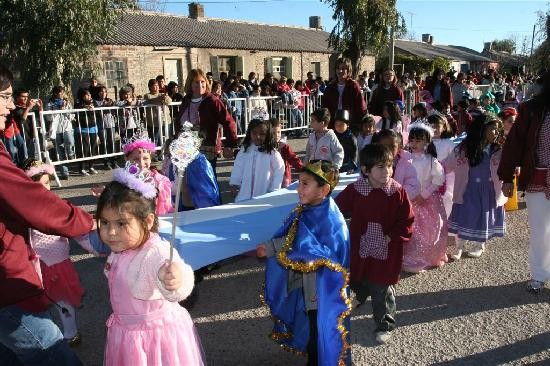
[
  {"x": 391, "y": 50},
  {"x": 411, "y": 33}
]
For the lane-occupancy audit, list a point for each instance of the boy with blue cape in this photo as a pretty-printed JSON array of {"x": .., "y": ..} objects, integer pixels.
[{"x": 307, "y": 273}]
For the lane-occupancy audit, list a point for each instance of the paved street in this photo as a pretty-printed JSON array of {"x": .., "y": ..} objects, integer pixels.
[{"x": 470, "y": 312}]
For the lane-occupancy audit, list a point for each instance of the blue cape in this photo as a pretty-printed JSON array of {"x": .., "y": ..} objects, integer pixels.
[{"x": 317, "y": 239}]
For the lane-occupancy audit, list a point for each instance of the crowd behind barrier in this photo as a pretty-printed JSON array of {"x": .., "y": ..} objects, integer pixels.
[{"x": 61, "y": 137}]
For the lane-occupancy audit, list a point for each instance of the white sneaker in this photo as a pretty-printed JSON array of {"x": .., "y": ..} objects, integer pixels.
[
  {"x": 84, "y": 172},
  {"x": 477, "y": 253},
  {"x": 457, "y": 255},
  {"x": 93, "y": 171},
  {"x": 383, "y": 337}
]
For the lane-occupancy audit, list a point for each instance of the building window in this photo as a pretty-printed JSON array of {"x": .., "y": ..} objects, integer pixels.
[
  {"x": 315, "y": 68},
  {"x": 226, "y": 64},
  {"x": 278, "y": 66},
  {"x": 115, "y": 74}
]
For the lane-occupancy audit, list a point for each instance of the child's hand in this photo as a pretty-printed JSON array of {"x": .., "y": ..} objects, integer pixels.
[
  {"x": 261, "y": 252},
  {"x": 97, "y": 190},
  {"x": 170, "y": 276}
]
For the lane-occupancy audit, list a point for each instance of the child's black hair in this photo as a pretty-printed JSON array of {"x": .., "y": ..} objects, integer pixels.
[
  {"x": 438, "y": 119},
  {"x": 463, "y": 104},
  {"x": 269, "y": 143},
  {"x": 393, "y": 112},
  {"x": 422, "y": 134},
  {"x": 322, "y": 115},
  {"x": 275, "y": 122},
  {"x": 326, "y": 167},
  {"x": 123, "y": 199},
  {"x": 474, "y": 143},
  {"x": 421, "y": 107},
  {"x": 374, "y": 154},
  {"x": 396, "y": 136}
]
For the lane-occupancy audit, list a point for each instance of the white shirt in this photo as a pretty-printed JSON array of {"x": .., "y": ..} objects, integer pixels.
[
  {"x": 256, "y": 172},
  {"x": 430, "y": 173},
  {"x": 443, "y": 147}
]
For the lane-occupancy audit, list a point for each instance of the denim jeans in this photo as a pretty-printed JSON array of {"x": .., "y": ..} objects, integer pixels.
[
  {"x": 17, "y": 149},
  {"x": 33, "y": 339},
  {"x": 64, "y": 144}
]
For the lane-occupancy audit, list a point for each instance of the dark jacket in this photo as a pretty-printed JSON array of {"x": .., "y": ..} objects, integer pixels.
[
  {"x": 352, "y": 100},
  {"x": 445, "y": 94},
  {"x": 520, "y": 146},
  {"x": 349, "y": 143},
  {"x": 212, "y": 112},
  {"x": 380, "y": 95},
  {"x": 25, "y": 205}
]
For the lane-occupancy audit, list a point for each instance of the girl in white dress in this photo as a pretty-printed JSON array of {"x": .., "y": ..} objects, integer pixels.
[{"x": 258, "y": 168}]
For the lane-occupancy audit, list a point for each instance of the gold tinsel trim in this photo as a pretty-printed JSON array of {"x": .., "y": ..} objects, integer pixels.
[{"x": 313, "y": 266}]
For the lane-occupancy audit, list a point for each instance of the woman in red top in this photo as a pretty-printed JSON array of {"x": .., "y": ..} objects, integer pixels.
[
  {"x": 27, "y": 333},
  {"x": 387, "y": 90},
  {"x": 345, "y": 93}
]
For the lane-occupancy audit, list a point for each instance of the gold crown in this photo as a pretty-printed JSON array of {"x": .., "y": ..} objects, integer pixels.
[{"x": 330, "y": 177}]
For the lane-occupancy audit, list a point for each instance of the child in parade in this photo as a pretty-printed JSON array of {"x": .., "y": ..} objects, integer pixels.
[
  {"x": 508, "y": 117},
  {"x": 403, "y": 170},
  {"x": 322, "y": 143},
  {"x": 147, "y": 326},
  {"x": 478, "y": 213},
  {"x": 138, "y": 150},
  {"x": 428, "y": 244},
  {"x": 60, "y": 279},
  {"x": 258, "y": 167},
  {"x": 488, "y": 103},
  {"x": 462, "y": 117},
  {"x": 420, "y": 112},
  {"x": 347, "y": 140},
  {"x": 289, "y": 157},
  {"x": 444, "y": 146},
  {"x": 381, "y": 224},
  {"x": 306, "y": 276},
  {"x": 391, "y": 118},
  {"x": 367, "y": 131}
]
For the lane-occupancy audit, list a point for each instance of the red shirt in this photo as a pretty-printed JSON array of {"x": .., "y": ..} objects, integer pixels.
[
  {"x": 24, "y": 205},
  {"x": 374, "y": 214},
  {"x": 291, "y": 160}
]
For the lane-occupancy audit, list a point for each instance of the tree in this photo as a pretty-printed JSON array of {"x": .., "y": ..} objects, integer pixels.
[
  {"x": 506, "y": 45},
  {"x": 50, "y": 42},
  {"x": 363, "y": 26}
]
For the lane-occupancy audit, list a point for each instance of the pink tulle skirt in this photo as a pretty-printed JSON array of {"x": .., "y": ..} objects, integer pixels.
[
  {"x": 164, "y": 337},
  {"x": 428, "y": 244},
  {"x": 62, "y": 283}
]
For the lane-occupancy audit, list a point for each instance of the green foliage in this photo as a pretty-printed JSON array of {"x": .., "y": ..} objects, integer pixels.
[
  {"x": 506, "y": 45},
  {"x": 363, "y": 26},
  {"x": 417, "y": 64},
  {"x": 49, "y": 42}
]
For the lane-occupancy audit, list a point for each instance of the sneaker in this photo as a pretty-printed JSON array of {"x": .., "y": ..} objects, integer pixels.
[
  {"x": 457, "y": 255},
  {"x": 93, "y": 171},
  {"x": 108, "y": 166},
  {"x": 64, "y": 176},
  {"x": 383, "y": 337},
  {"x": 477, "y": 253},
  {"x": 84, "y": 172},
  {"x": 535, "y": 287}
]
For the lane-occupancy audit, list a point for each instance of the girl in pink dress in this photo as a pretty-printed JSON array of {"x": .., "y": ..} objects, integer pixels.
[
  {"x": 138, "y": 150},
  {"x": 59, "y": 277},
  {"x": 428, "y": 244},
  {"x": 147, "y": 326}
]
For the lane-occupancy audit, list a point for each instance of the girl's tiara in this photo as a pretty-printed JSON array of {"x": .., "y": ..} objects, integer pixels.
[
  {"x": 423, "y": 125},
  {"x": 39, "y": 168},
  {"x": 136, "y": 179},
  {"x": 140, "y": 140}
]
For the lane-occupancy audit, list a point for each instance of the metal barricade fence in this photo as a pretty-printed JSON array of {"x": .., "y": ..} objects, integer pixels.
[{"x": 69, "y": 136}]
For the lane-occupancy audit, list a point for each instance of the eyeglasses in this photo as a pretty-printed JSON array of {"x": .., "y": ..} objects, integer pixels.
[{"x": 6, "y": 97}]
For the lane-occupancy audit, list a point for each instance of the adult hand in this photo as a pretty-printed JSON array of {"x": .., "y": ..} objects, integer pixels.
[
  {"x": 170, "y": 276},
  {"x": 228, "y": 153},
  {"x": 508, "y": 189}
]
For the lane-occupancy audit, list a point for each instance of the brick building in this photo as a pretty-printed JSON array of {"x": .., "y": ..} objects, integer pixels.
[{"x": 147, "y": 44}]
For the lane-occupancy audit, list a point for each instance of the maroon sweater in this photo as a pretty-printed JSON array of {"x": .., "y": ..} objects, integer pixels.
[
  {"x": 380, "y": 95},
  {"x": 291, "y": 160},
  {"x": 352, "y": 100},
  {"x": 212, "y": 112},
  {"x": 389, "y": 209},
  {"x": 26, "y": 204},
  {"x": 520, "y": 146}
]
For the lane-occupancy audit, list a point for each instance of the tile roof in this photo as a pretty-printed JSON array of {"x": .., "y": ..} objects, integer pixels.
[
  {"x": 160, "y": 29},
  {"x": 431, "y": 51},
  {"x": 506, "y": 58}
]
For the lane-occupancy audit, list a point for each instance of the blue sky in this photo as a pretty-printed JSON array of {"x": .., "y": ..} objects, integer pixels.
[{"x": 466, "y": 23}]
